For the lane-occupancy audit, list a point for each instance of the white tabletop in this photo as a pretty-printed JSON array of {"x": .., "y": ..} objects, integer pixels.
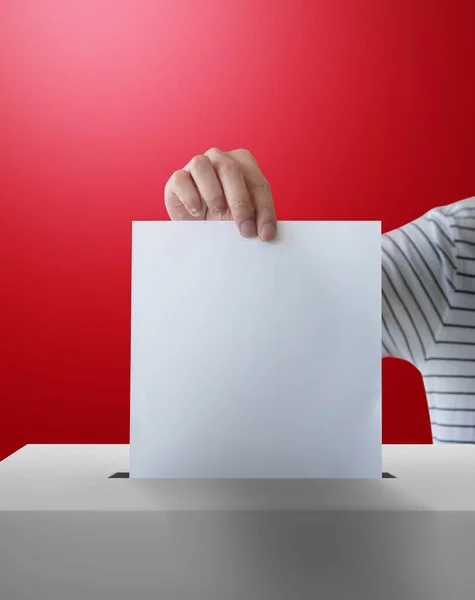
[{"x": 76, "y": 477}]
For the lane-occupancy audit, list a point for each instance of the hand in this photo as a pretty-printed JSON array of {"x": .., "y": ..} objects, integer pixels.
[{"x": 225, "y": 186}]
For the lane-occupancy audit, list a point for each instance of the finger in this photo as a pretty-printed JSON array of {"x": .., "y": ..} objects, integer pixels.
[
  {"x": 261, "y": 194},
  {"x": 182, "y": 198},
  {"x": 265, "y": 212},
  {"x": 235, "y": 190},
  {"x": 206, "y": 180}
]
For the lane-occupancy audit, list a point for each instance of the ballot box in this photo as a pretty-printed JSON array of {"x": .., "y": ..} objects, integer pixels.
[{"x": 69, "y": 530}]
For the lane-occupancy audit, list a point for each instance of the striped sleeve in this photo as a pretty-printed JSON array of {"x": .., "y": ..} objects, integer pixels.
[{"x": 418, "y": 265}]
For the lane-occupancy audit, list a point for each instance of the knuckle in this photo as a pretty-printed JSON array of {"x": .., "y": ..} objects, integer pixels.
[
  {"x": 244, "y": 153},
  {"x": 230, "y": 168},
  {"x": 179, "y": 177},
  {"x": 262, "y": 186},
  {"x": 241, "y": 204},
  {"x": 212, "y": 152},
  {"x": 200, "y": 162}
]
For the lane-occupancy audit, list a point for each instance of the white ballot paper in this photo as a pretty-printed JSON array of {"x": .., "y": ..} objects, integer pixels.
[{"x": 252, "y": 359}]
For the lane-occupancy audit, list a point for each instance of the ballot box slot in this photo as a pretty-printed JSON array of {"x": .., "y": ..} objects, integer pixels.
[{"x": 125, "y": 475}]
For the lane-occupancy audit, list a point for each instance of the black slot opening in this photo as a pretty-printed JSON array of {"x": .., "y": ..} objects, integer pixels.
[{"x": 125, "y": 475}]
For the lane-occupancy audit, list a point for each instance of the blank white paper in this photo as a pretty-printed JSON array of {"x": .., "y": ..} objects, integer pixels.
[{"x": 253, "y": 359}]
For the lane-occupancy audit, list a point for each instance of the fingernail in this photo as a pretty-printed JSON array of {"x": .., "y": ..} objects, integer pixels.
[
  {"x": 194, "y": 212},
  {"x": 248, "y": 228},
  {"x": 219, "y": 212},
  {"x": 268, "y": 232}
]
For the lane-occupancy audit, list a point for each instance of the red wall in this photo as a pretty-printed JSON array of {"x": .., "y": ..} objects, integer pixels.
[{"x": 356, "y": 109}]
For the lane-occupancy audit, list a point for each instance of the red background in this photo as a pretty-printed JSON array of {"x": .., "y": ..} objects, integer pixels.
[{"x": 355, "y": 109}]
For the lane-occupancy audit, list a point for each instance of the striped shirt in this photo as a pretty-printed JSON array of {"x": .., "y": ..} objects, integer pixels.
[{"x": 428, "y": 305}]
